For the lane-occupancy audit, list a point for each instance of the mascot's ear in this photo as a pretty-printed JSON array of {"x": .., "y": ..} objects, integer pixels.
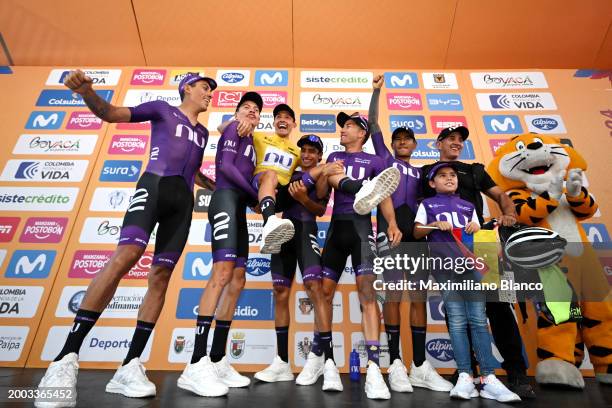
[{"x": 493, "y": 168}]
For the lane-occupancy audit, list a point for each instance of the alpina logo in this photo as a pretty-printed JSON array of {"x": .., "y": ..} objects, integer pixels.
[{"x": 271, "y": 99}]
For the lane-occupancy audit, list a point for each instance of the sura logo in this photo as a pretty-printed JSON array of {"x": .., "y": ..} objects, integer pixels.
[
  {"x": 545, "y": 123},
  {"x": 26, "y": 267},
  {"x": 258, "y": 266},
  {"x": 440, "y": 349},
  {"x": 246, "y": 311},
  {"x": 232, "y": 77}
]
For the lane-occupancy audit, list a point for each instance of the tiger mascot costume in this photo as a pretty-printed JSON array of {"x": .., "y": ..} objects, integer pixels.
[{"x": 531, "y": 169}]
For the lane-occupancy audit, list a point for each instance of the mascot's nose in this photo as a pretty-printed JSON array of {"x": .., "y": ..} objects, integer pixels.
[{"x": 534, "y": 145}]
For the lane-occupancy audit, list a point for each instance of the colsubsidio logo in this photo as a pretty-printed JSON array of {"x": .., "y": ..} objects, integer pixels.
[
  {"x": 271, "y": 78},
  {"x": 30, "y": 264},
  {"x": 311, "y": 123},
  {"x": 60, "y": 97},
  {"x": 401, "y": 80},
  {"x": 253, "y": 304},
  {"x": 120, "y": 170},
  {"x": 197, "y": 266},
  {"x": 440, "y": 349},
  {"x": 45, "y": 120},
  {"x": 502, "y": 124}
]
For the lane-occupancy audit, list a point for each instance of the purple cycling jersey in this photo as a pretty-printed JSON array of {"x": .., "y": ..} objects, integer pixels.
[
  {"x": 296, "y": 210},
  {"x": 358, "y": 166},
  {"x": 409, "y": 188},
  {"x": 235, "y": 161},
  {"x": 177, "y": 147},
  {"x": 445, "y": 207}
]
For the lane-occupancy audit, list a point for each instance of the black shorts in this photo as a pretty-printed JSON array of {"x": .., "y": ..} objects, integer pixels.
[
  {"x": 404, "y": 216},
  {"x": 348, "y": 234},
  {"x": 230, "y": 234},
  {"x": 164, "y": 200},
  {"x": 303, "y": 250}
]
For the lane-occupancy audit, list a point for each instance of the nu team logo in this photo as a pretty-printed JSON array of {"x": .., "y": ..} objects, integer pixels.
[{"x": 271, "y": 78}]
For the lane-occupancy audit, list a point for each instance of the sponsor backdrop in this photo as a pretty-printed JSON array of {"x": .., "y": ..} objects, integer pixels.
[{"x": 66, "y": 178}]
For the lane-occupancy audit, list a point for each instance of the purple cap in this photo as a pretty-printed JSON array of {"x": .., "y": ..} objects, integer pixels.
[
  {"x": 436, "y": 167},
  {"x": 362, "y": 122},
  {"x": 193, "y": 77}
]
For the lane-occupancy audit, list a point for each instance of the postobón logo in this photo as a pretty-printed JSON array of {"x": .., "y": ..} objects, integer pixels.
[
  {"x": 148, "y": 77},
  {"x": 128, "y": 144},
  {"x": 30, "y": 264},
  {"x": 87, "y": 264},
  {"x": 120, "y": 170},
  {"x": 271, "y": 78},
  {"x": 502, "y": 124},
  {"x": 273, "y": 98},
  {"x": 253, "y": 304},
  {"x": 44, "y": 230},
  {"x": 197, "y": 266},
  {"x": 401, "y": 80},
  {"x": 83, "y": 120},
  {"x": 404, "y": 101},
  {"x": 45, "y": 120}
]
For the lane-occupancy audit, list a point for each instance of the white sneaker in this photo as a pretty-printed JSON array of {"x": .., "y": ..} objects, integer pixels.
[
  {"x": 130, "y": 380},
  {"x": 229, "y": 376},
  {"x": 277, "y": 371},
  {"x": 61, "y": 374},
  {"x": 464, "y": 389},
  {"x": 202, "y": 379},
  {"x": 398, "y": 377},
  {"x": 276, "y": 231},
  {"x": 372, "y": 192},
  {"x": 375, "y": 386},
  {"x": 331, "y": 377},
  {"x": 492, "y": 388},
  {"x": 312, "y": 370},
  {"x": 426, "y": 376}
]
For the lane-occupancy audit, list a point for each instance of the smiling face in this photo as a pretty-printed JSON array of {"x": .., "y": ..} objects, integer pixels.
[
  {"x": 534, "y": 162},
  {"x": 248, "y": 111},
  {"x": 351, "y": 134},
  {"x": 450, "y": 147},
  {"x": 310, "y": 156},
  {"x": 199, "y": 93},
  {"x": 445, "y": 181},
  {"x": 283, "y": 124}
]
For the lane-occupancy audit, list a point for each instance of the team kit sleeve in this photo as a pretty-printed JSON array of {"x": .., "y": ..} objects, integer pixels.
[
  {"x": 147, "y": 111},
  {"x": 229, "y": 144},
  {"x": 475, "y": 217},
  {"x": 421, "y": 215}
]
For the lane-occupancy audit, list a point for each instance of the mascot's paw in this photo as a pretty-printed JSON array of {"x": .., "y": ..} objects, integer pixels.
[{"x": 559, "y": 372}]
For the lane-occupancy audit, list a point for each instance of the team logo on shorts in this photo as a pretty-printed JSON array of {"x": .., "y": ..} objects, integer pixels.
[
  {"x": 237, "y": 344},
  {"x": 304, "y": 347},
  {"x": 306, "y": 305},
  {"x": 179, "y": 344}
]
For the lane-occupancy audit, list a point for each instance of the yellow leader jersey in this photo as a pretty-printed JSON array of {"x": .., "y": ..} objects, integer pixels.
[{"x": 276, "y": 153}]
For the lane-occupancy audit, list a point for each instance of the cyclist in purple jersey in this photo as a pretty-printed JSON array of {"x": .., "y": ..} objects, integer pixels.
[
  {"x": 163, "y": 196},
  {"x": 212, "y": 375},
  {"x": 350, "y": 233},
  {"x": 303, "y": 251},
  {"x": 405, "y": 198}
]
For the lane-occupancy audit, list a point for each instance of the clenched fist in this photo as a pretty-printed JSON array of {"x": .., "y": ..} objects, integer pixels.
[
  {"x": 378, "y": 81},
  {"x": 78, "y": 82}
]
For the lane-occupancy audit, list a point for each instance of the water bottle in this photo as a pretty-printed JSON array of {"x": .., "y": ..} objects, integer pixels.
[{"x": 355, "y": 374}]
